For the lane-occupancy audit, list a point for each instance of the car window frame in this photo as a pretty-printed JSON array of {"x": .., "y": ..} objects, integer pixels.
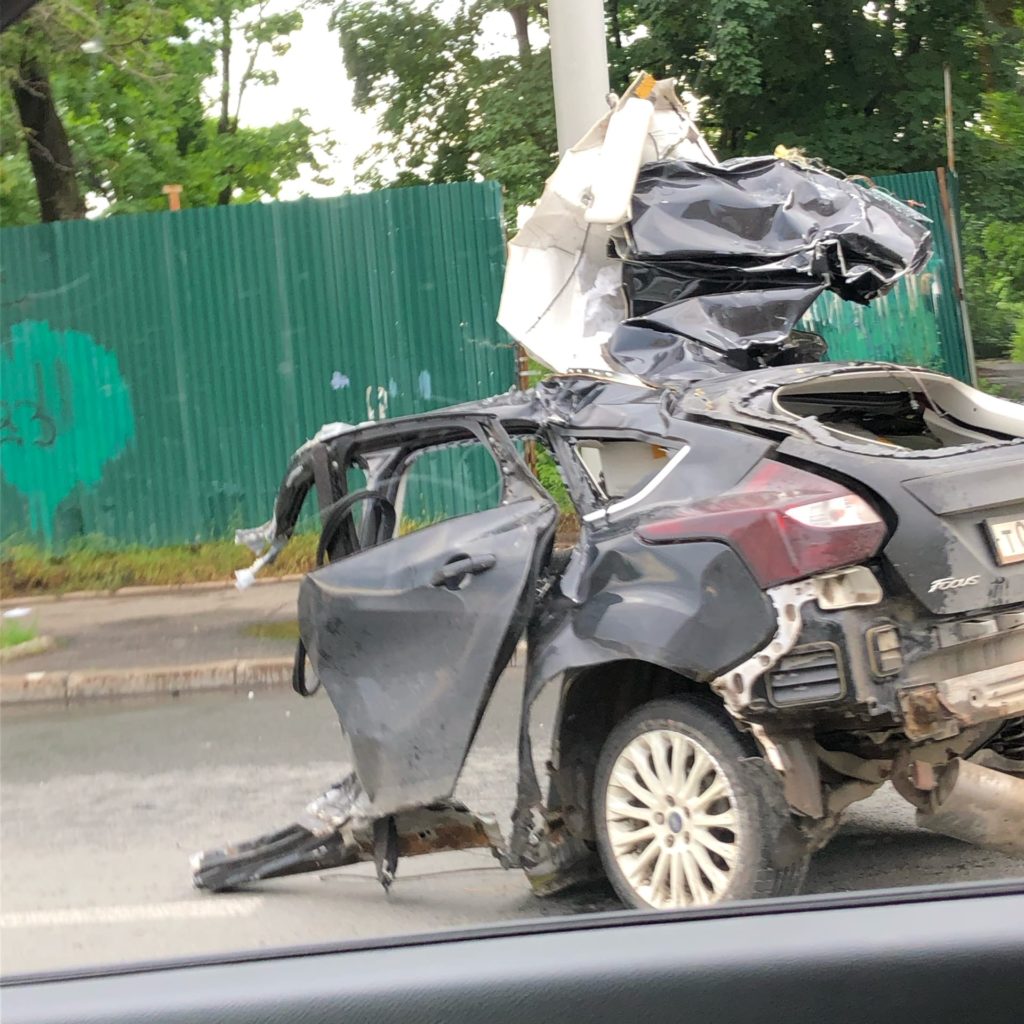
[
  {"x": 403, "y": 468},
  {"x": 593, "y": 503},
  {"x": 387, "y": 463}
]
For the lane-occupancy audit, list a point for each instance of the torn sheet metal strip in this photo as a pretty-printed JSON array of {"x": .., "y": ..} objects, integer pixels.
[{"x": 335, "y": 831}]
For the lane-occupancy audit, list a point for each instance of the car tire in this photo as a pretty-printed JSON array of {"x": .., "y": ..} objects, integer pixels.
[{"x": 676, "y": 774}]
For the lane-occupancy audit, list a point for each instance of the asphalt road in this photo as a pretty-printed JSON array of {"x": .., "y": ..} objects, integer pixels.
[{"x": 103, "y": 803}]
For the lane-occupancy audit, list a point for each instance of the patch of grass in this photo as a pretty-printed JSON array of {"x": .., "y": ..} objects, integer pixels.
[
  {"x": 990, "y": 387},
  {"x": 14, "y": 632},
  {"x": 93, "y": 564},
  {"x": 273, "y": 630}
]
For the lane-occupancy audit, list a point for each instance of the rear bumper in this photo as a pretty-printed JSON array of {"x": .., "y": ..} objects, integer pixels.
[
  {"x": 828, "y": 669},
  {"x": 944, "y": 708}
]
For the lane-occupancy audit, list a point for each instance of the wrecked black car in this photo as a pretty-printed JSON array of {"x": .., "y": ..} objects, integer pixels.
[{"x": 792, "y": 581}]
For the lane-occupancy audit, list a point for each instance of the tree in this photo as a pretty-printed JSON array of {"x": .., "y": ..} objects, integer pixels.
[
  {"x": 858, "y": 85},
  {"x": 449, "y": 112},
  {"x": 995, "y": 225},
  {"x": 49, "y": 152},
  {"x": 125, "y": 90}
]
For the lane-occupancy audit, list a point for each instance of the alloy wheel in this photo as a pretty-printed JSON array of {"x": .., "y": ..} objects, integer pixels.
[{"x": 672, "y": 820}]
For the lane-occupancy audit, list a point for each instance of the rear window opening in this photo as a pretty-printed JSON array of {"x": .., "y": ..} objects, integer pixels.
[
  {"x": 617, "y": 468},
  {"x": 908, "y": 410}
]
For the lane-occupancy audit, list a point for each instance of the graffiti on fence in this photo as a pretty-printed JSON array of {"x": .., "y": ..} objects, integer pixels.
[{"x": 65, "y": 412}]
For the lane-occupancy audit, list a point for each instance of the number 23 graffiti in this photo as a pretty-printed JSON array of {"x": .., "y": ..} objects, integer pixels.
[{"x": 13, "y": 429}]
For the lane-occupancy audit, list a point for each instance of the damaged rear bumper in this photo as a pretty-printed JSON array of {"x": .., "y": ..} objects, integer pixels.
[
  {"x": 944, "y": 708},
  {"x": 845, "y": 655}
]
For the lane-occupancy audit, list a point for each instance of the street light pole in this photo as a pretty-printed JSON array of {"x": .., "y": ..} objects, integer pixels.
[{"x": 579, "y": 66}]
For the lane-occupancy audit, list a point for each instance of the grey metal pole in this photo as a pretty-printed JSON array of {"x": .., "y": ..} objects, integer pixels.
[{"x": 579, "y": 66}]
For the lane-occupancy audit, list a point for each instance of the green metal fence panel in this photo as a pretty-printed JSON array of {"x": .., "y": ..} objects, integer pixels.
[
  {"x": 919, "y": 321},
  {"x": 158, "y": 370}
]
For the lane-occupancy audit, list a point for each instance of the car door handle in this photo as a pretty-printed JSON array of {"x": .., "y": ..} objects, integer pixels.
[{"x": 462, "y": 567}]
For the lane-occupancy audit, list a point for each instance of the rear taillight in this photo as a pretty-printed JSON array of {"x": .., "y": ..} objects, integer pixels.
[{"x": 786, "y": 523}]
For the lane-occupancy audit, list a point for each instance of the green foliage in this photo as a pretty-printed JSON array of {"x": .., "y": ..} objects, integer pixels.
[
  {"x": 448, "y": 112},
  {"x": 551, "y": 479},
  {"x": 18, "y": 201},
  {"x": 135, "y": 106},
  {"x": 273, "y": 630},
  {"x": 994, "y": 227},
  {"x": 859, "y": 85}
]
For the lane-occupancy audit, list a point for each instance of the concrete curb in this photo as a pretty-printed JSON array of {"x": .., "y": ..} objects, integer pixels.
[
  {"x": 141, "y": 591},
  {"x": 172, "y": 680}
]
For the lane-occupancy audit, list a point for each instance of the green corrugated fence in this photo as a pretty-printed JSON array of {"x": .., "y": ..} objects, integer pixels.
[
  {"x": 158, "y": 370},
  {"x": 919, "y": 321}
]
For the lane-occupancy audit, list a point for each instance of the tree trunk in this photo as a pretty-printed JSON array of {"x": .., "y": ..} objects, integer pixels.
[
  {"x": 521, "y": 17},
  {"x": 224, "y": 125},
  {"x": 49, "y": 151}
]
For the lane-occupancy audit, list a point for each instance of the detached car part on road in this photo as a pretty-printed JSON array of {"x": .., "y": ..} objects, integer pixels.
[{"x": 793, "y": 580}]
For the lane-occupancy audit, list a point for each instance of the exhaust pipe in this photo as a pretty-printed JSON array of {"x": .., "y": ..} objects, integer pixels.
[{"x": 979, "y": 805}]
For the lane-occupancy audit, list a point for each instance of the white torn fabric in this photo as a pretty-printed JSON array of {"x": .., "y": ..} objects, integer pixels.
[{"x": 563, "y": 295}]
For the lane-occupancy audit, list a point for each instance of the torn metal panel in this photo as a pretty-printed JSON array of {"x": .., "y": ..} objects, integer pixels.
[
  {"x": 765, "y": 219},
  {"x": 562, "y": 295},
  {"x": 732, "y": 256},
  {"x": 337, "y": 829},
  {"x": 721, "y": 257}
]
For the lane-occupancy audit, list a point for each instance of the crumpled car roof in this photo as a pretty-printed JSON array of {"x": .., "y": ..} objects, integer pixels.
[{"x": 714, "y": 266}]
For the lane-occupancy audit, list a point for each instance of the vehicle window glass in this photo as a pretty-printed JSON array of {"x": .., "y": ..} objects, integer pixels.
[{"x": 445, "y": 482}]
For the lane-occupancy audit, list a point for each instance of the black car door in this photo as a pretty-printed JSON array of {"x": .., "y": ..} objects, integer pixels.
[{"x": 409, "y": 637}]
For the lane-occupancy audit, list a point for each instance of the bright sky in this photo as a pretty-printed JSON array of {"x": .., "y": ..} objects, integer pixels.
[{"x": 312, "y": 76}]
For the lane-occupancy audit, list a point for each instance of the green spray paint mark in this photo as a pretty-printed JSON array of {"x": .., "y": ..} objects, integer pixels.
[{"x": 65, "y": 413}]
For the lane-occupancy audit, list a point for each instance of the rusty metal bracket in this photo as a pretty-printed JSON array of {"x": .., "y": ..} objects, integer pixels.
[{"x": 795, "y": 758}]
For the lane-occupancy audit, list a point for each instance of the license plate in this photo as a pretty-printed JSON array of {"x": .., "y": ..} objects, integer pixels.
[{"x": 1007, "y": 537}]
